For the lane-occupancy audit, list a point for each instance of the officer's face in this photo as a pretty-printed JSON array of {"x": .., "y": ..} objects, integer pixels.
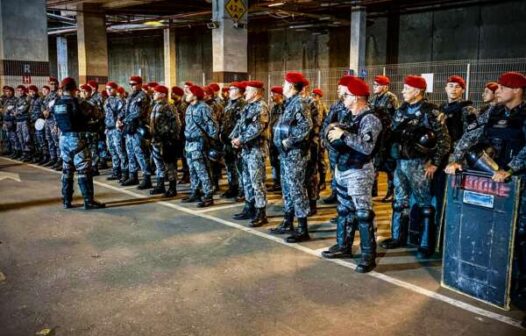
[
  {"x": 505, "y": 94},
  {"x": 488, "y": 96},
  {"x": 8, "y": 93},
  {"x": 233, "y": 93},
  {"x": 19, "y": 92},
  {"x": 111, "y": 91},
  {"x": 276, "y": 97},
  {"x": 410, "y": 94},
  {"x": 454, "y": 91},
  {"x": 377, "y": 88},
  {"x": 135, "y": 86},
  {"x": 342, "y": 89},
  {"x": 84, "y": 94},
  {"x": 251, "y": 93},
  {"x": 288, "y": 89},
  {"x": 53, "y": 86},
  {"x": 32, "y": 93},
  {"x": 45, "y": 91},
  {"x": 189, "y": 97},
  {"x": 349, "y": 100},
  {"x": 158, "y": 95}
]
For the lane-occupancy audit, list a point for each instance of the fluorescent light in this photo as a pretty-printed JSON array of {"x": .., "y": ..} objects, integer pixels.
[
  {"x": 154, "y": 23},
  {"x": 276, "y": 4}
]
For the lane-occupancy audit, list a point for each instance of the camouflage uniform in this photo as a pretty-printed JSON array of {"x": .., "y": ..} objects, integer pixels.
[
  {"x": 22, "y": 125},
  {"x": 51, "y": 132},
  {"x": 35, "y": 111},
  {"x": 180, "y": 109},
  {"x": 322, "y": 165},
  {"x": 217, "y": 114},
  {"x": 251, "y": 129},
  {"x": 410, "y": 177},
  {"x": 231, "y": 115},
  {"x": 311, "y": 175},
  {"x": 275, "y": 114},
  {"x": 113, "y": 109},
  {"x": 198, "y": 119},
  {"x": 9, "y": 124}
]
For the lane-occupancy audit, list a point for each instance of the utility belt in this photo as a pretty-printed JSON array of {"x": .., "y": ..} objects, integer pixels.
[{"x": 76, "y": 134}]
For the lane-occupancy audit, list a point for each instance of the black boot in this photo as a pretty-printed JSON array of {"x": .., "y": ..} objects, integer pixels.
[
  {"x": 331, "y": 199},
  {"x": 172, "y": 189},
  {"x": 260, "y": 218},
  {"x": 194, "y": 197},
  {"x": 133, "y": 179},
  {"x": 124, "y": 176},
  {"x": 375, "y": 187},
  {"x": 67, "y": 191},
  {"x": 86, "y": 188},
  {"x": 146, "y": 183},
  {"x": 399, "y": 227},
  {"x": 426, "y": 248},
  {"x": 286, "y": 226},
  {"x": 248, "y": 211},
  {"x": 230, "y": 193},
  {"x": 206, "y": 202},
  {"x": 313, "y": 207},
  {"x": 345, "y": 228},
  {"x": 58, "y": 165},
  {"x": 367, "y": 241},
  {"x": 115, "y": 174},
  {"x": 301, "y": 234},
  {"x": 159, "y": 188}
]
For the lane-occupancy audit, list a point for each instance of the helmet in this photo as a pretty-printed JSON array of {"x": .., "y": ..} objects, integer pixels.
[
  {"x": 337, "y": 145},
  {"x": 215, "y": 155},
  {"x": 39, "y": 124},
  {"x": 424, "y": 140},
  {"x": 481, "y": 161},
  {"x": 144, "y": 131}
]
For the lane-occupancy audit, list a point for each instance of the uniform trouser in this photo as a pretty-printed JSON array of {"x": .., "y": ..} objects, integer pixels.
[
  {"x": 136, "y": 154},
  {"x": 93, "y": 144},
  {"x": 293, "y": 167},
  {"x": 274, "y": 163},
  {"x": 160, "y": 167},
  {"x": 39, "y": 140},
  {"x": 311, "y": 176},
  {"x": 254, "y": 175},
  {"x": 231, "y": 158},
  {"x": 24, "y": 136},
  {"x": 12, "y": 136},
  {"x": 102, "y": 149},
  {"x": 119, "y": 159},
  {"x": 322, "y": 165},
  {"x": 354, "y": 188},
  {"x": 181, "y": 155},
  {"x": 200, "y": 175},
  {"x": 4, "y": 141},
  {"x": 52, "y": 138},
  {"x": 75, "y": 156},
  {"x": 333, "y": 157}
]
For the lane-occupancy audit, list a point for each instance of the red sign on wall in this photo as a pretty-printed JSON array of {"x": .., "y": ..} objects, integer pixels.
[{"x": 26, "y": 79}]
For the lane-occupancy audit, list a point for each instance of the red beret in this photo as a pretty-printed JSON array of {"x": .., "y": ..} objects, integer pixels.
[
  {"x": 318, "y": 92},
  {"x": 188, "y": 83},
  {"x": 112, "y": 85},
  {"x": 153, "y": 84},
  {"x": 417, "y": 82},
  {"x": 93, "y": 84},
  {"x": 208, "y": 91},
  {"x": 493, "y": 86},
  {"x": 344, "y": 80},
  {"x": 21, "y": 87},
  {"x": 46, "y": 87},
  {"x": 33, "y": 88},
  {"x": 177, "y": 91},
  {"x": 457, "y": 79},
  {"x": 104, "y": 94},
  {"x": 68, "y": 81},
  {"x": 382, "y": 80},
  {"x": 121, "y": 90},
  {"x": 239, "y": 85},
  {"x": 255, "y": 84},
  {"x": 224, "y": 89},
  {"x": 145, "y": 87},
  {"x": 53, "y": 80},
  {"x": 6, "y": 87},
  {"x": 295, "y": 77},
  {"x": 277, "y": 89},
  {"x": 358, "y": 87},
  {"x": 197, "y": 91},
  {"x": 86, "y": 87},
  {"x": 513, "y": 80},
  {"x": 214, "y": 87},
  {"x": 161, "y": 89},
  {"x": 136, "y": 79}
]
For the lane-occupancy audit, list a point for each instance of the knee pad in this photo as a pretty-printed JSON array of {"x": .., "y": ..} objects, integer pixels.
[
  {"x": 364, "y": 215},
  {"x": 400, "y": 207}
]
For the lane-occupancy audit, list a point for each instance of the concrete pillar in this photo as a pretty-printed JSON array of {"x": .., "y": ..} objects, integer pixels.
[
  {"x": 170, "y": 58},
  {"x": 62, "y": 57},
  {"x": 24, "y": 57},
  {"x": 92, "y": 44},
  {"x": 229, "y": 40},
  {"x": 357, "y": 50}
]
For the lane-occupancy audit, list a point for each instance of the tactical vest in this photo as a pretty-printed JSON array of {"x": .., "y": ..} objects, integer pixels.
[
  {"x": 68, "y": 116},
  {"x": 454, "y": 118},
  {"x": 506, "y": 133}
]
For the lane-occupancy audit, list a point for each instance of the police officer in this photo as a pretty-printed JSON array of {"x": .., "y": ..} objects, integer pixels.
[
  {"x": 489, "y": 98},
  {"x": 165, "y": 127},
  {"x": 382, "y": 98},
  {"x": 231, "y": 115},
  {"x": 251, "y": 136},
  {"x": 72, "y": 119},
  {"x": 354, "y": 174},
  {"x": 132, "y": 123},
  {"x": 420, "y": 144},
  {"x": 316, "y": 95},
  {"x": 180, "y": 106},
  {"x": 9, "y": 123},
  {"x": 225, "y": 95},
  {"x": 102, "y": 150},
  {"x": 336, "y": 113},
  {"x": 22, "y": 123},
  {"x": 51, "y": 130},
  {"x": 216, "y": 90},
  {"x": 291, "y": 135},
  {"x": 93, "y": 127},
  {"x": 200, "y": 129},
  {"x": 275, "y": 113},
  {"x": 459, "y": 112},
  {"x": 217, "y": 114},
  {"x": 113, "y": 110},
  {"x": 40, "y": 154},
  {"x": 503, "y": 130}
]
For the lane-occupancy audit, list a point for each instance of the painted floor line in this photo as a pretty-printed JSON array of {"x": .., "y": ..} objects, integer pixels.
[{"x": 400, "y": 283}]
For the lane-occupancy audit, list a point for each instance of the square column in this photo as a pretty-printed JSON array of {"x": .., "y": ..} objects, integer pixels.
[
  {"x": 357, "y": 49},
  {"x": 170, "y": 58}
]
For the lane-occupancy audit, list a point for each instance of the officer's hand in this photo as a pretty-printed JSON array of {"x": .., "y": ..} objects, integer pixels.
[
  {"x": 500, "y": 176},
  {"x": 430, "y": 171},
  {"x": 119, "y": 124},
  {"x": 46, "y": 114},
  {"x": 335, "y": 134},
  {"x": 236, "y": 143},
  {"x": 452, "y": 168}
]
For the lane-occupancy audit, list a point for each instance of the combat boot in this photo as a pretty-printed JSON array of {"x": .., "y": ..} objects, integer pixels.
[
  {"x": 206, "y": 202},
  {"x": 345, "y": 229},
  {"x": 172, "y": 189},
  {"x": 367, "y": 241},
  {"x": 426, "y": 247},
  {"x": 159, "y": 188},
  {"x": 231, "y": 192},
  {"x": 58, "y": 165},
  {"x": 115, "y": 174},
  {"x": 313, "y": 207},
  {"x": 125, "y": 175},
  {"x": 248, "y": 211},
  {"x": 133, "y": 179},
  {"x": 86, "y": 188},
  {"x": 301, "y": 234},
  {"x": 194, "y": 197},
  {"x": 260, "y": 218},
  {"x": 286, "y": 226},
  {"x": 67, "y": 191},
  {"x": 399, "y": 227},
  {"x": 146, "y": 183}
]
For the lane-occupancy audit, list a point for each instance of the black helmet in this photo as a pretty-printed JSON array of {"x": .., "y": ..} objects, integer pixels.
[
  {"x": 424, "y": 139},
  {"x": 337, "y": 145},
  {"x": 144, "y": 131},
  {"x": 215, "y": 155}
]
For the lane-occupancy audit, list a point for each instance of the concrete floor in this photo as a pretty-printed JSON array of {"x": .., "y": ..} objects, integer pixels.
[{"x": 145, "y": 266}]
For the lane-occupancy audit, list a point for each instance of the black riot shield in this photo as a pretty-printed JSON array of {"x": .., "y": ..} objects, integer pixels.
[{"x": 479, "y": 230}]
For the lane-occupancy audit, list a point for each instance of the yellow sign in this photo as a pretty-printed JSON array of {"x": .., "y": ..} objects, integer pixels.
[{"x": 236, "y": 9}]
